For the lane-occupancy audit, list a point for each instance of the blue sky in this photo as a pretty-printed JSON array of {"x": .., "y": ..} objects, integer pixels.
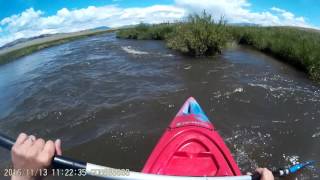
[
  {"x": 306, "y": 8},
  {"x": 52, "y": 6},
  {"x": 26, "y": 18}
]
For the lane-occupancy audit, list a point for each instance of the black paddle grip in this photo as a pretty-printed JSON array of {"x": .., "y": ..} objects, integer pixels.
[
  {"x": 255, "y": 176},
  {"x": 6, "y": 141},
  {"x": 58, "y": 162}
]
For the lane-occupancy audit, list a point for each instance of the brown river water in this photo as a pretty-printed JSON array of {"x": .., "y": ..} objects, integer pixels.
[{"x": 109, "y": 100}]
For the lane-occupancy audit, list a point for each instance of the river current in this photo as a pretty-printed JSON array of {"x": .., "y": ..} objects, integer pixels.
[{"x": 110, "y": 99}]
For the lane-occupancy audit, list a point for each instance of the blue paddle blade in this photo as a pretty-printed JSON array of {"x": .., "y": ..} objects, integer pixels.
[{"x": 299, "y": 166}]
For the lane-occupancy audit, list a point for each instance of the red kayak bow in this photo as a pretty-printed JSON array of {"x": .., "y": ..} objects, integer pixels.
[{"x": 191, "y": 147}]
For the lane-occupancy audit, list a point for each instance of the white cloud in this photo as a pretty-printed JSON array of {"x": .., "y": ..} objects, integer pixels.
[
  {"x": 227, "y": 8},
  {"x": 238, "y": 11},
  {"x": 34, "y": 22},
  {"x": 278, "y": 10},
  {"x": 288, "y": 18}
]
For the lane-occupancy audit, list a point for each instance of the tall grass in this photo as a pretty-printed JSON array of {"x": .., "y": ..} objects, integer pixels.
[
  {"x": 299, "y": 47},
  {"x": 145, "y": 31}
]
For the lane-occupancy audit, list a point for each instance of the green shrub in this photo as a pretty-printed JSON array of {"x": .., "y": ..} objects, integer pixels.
[
  {"x": 144, "y": 31},
  {"x": 161, "y": 31},
  {"x": 199, "y": 36}
]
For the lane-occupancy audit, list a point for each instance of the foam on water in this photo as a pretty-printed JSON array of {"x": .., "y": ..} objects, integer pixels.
[
  {"x": 247, "y": 144},
  {"x": 315, "y": 135},
  {"x": 227, "y": 94},
  {"x": 130, "y": 50},
  {"x": 292, "y": 159}
]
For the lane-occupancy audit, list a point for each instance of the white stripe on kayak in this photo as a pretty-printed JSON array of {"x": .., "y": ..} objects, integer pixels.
[{"x": 123, "y": 174}]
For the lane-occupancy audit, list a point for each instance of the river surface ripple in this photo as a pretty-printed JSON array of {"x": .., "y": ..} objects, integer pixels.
[{"x": 109, "y": 100}]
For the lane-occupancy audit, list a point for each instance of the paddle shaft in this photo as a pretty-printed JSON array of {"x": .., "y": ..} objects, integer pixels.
[
  {"x": 61, "y": 162},
  {"x": 58, "y": 162}
]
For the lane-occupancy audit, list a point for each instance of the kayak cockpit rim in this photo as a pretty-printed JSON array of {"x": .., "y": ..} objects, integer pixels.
[{"x": 108, "y": 173}]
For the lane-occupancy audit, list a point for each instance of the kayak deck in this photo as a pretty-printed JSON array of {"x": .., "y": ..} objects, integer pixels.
[{"x": 191, "y": 147}]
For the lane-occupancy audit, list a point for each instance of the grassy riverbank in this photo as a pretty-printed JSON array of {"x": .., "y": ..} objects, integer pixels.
[
  {"x": 298, "y": 47},
  {"x": 201, "y": 36},
  {"x": 198, "y": 35},
  {"x": 23, "y": 49}
]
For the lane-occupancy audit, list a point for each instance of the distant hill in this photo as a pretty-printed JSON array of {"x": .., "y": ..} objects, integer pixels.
[
  {"x": 243, "y": 24},
  {"x": 22, "y": 40},
  {"x": 305, "y": 29},
  {"x": 101, "y": 28}
]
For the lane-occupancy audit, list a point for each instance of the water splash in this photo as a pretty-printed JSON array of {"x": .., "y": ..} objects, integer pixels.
[
  {"x": 130, "y": 50},
  {"x": 315, "y": 135},
  {"x": 247, "y": 145}
]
